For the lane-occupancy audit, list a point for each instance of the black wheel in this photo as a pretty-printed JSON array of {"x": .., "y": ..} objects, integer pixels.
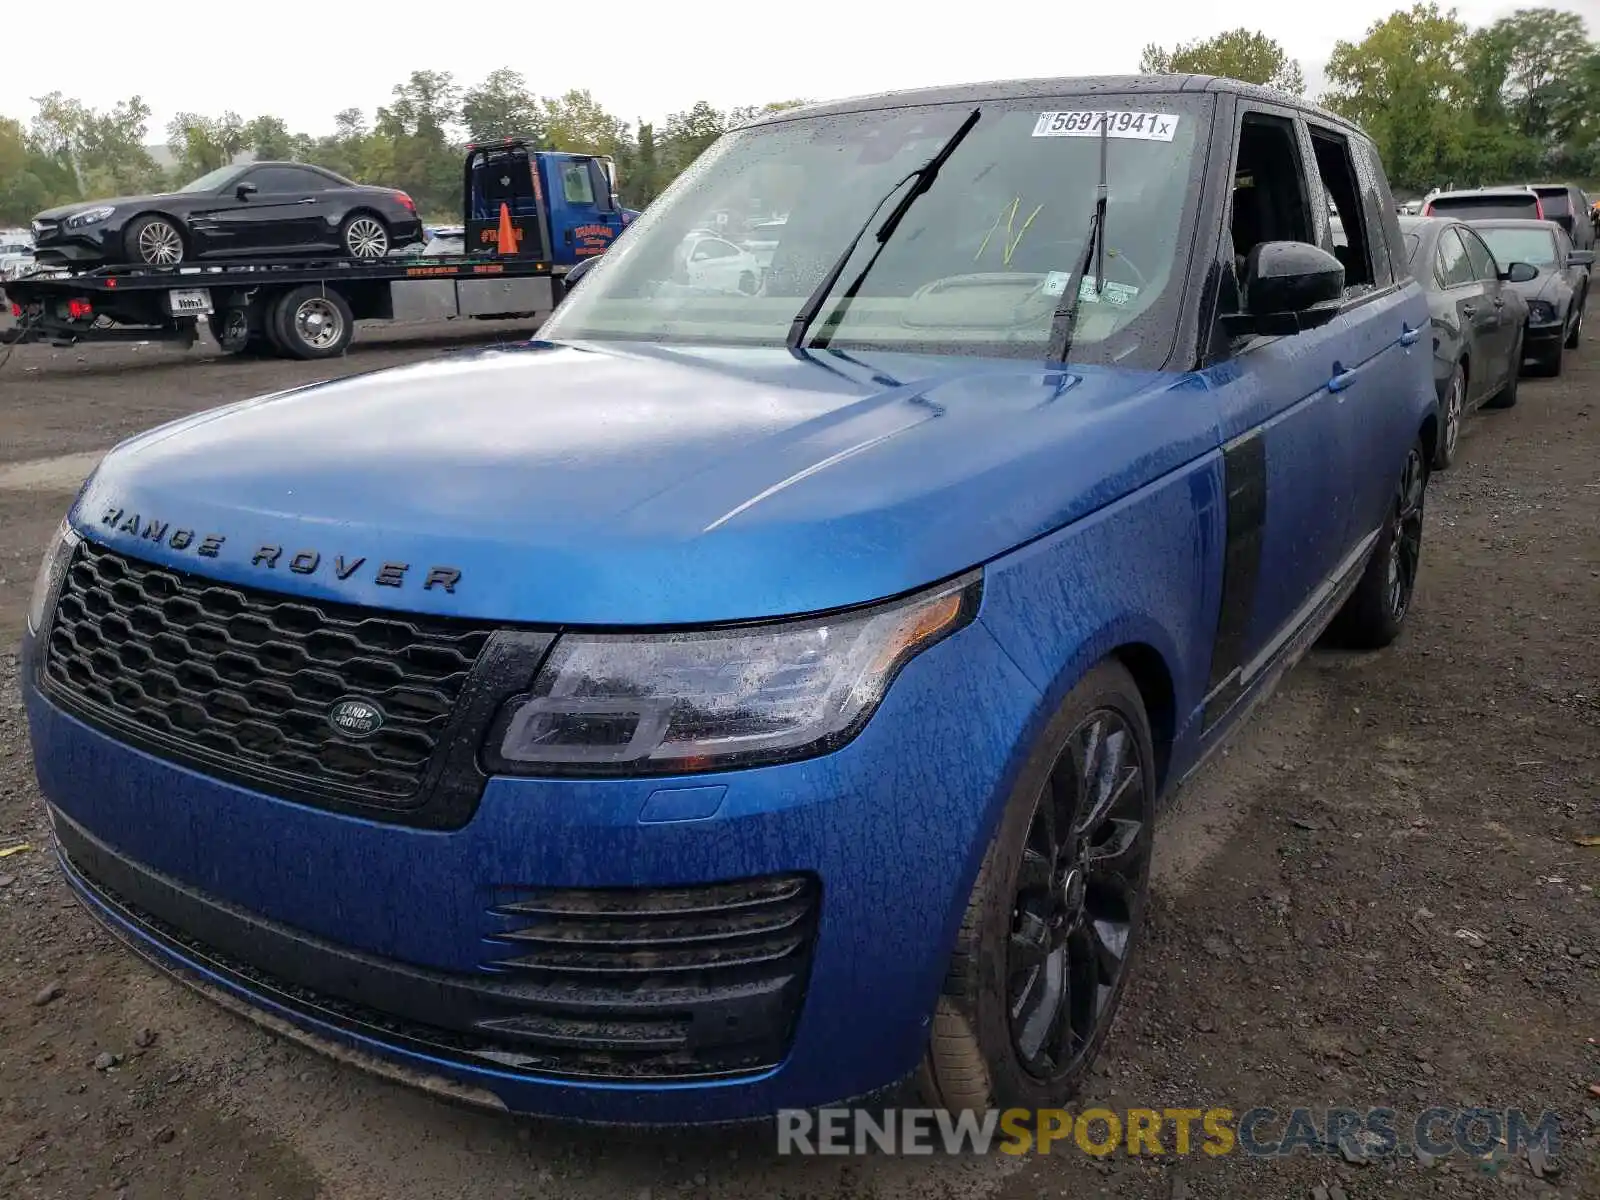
[
  {"x": 231, "y": 328},
  {"x": 1373, "y": 615},
  {"x": 1057, "y": 912},
  {"x": 1452, "y": 411},
  {"x": 154, "y": 242},
  {"x": 364, "y": 235},
  {"x": 1576, "y": 331},
  {"x": 314, "y": 322},
  {"x": 1506, "y": 397}
]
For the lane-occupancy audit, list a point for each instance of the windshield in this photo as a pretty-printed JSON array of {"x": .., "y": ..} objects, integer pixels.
[
  {"x": 1534, "y": 246},
  {"x": 979, "y": 264},
  {"x": 212, "y": 181}
]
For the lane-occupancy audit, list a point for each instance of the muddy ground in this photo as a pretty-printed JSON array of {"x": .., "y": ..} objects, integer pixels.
[{"x": 1305, "y": 947}]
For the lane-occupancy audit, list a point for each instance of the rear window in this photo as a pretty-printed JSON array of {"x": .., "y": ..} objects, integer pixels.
[
  {"x": 1485, "y": 208},
  {"x": 1555, "y": 202}
]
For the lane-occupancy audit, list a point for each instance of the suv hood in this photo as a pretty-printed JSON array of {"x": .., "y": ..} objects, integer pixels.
[{"x": 639, "y": 484}]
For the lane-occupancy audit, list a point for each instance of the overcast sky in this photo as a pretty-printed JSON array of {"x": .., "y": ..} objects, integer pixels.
[{"x": 640, "y": 60}]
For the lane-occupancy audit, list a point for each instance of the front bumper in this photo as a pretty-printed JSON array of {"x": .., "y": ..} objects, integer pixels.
[
  {"x": 391, "y": 941},
  {"x": 1541, "y": 339},
  {"x": 95, "y": 244}
]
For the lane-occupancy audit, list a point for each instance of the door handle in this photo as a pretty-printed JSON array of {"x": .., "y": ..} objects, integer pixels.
[
  {"x": 1341, "y": 378},
  {"x": 1469, "y": 310},
  {"x": 1499, "y": 302},
  {"x": 307, "y": 200},
  {"x": 1409, "y": 336}
]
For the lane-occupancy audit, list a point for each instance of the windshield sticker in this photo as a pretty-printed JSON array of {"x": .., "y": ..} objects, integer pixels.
[
  {"x": 1119, "y": 294},
  {"x": 1141, "y": 126}
]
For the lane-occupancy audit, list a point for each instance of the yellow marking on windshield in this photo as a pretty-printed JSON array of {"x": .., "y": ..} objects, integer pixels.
[{"x": 1010, "y": 244}]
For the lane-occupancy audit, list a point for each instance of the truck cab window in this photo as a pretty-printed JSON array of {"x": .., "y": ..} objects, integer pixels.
[
  {"x": 575, "y": 184},
  {"x": 1269, "y": 189},
  {"x": 1338, "y": 174}
]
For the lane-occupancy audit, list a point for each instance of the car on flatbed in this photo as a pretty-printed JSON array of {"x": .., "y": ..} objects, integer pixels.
[
  {"x": 730, "y": 702},
  {"x": 281, "y": 209}
]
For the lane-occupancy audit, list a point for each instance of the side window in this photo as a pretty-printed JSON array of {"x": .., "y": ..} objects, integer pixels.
[
  {"x": 1483, "y": 264},
  {"x": 575, "y": 184},
  {"x": 1337, "y": 168},
  {"x": 278, "y": 180},
  {"x": 1271, "y": 202},
  {"x": 1455, "y": 268}
]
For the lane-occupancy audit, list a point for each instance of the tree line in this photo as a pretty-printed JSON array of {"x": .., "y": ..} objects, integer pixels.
[{"x": 1447, "y": 104}]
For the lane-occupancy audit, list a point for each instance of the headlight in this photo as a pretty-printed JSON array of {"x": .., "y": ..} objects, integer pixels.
[
  {"x": 51, "y": 572},
  {"x": 1541, "y": 311},
  {"x": 90, "y": 216},
  {"x": 615, "y": 704}
]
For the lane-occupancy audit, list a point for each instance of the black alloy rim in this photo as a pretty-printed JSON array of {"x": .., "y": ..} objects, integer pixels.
[
  {"x": 1405, "y": 535},
  {"x": 1078, "y": 896}
]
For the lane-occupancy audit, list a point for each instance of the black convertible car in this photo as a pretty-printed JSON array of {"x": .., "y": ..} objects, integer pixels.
[{"x": 260, "y": 209}]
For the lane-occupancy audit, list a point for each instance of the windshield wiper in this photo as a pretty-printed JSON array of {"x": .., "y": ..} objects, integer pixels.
[
  {"x": 924, "y": 176},
  {"x": 1065, "y": 323}
]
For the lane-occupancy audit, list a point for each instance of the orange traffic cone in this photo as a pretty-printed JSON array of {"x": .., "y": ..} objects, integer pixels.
[{"x": 508, "y": 231}]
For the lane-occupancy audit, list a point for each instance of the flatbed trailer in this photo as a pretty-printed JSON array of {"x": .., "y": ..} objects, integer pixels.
[
  {"x": 292, "y": 308},
  {"x": 529, "y": 215}
]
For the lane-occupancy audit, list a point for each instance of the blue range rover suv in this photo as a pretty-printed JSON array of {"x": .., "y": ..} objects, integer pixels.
[{"x": 735, "y": 698}]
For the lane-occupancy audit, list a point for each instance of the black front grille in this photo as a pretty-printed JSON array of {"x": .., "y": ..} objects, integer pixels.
[
  {"x": 657, "y": 983},
  {"x": 243, "y": 681}
]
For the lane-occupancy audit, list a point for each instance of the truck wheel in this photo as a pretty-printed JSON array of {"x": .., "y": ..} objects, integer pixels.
[
  {"x": 231, "y": 329},
  {"x": 1371, "y": 618},
  {"x": 1057, "y": 911},
  {"x": 154, "y": 242},
  {"x": 313, "y": 322},
  {"x": 364, "y": 235}
]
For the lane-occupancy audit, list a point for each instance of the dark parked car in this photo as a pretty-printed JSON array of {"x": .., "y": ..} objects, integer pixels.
[
  {"x": 265, "y": 208},
  {"x": 1568, "y": 206},
  {"x": 1556, "y": 295},
  {"x": 1486, "y": 204},
  {"x": 1478, "y": 320}
]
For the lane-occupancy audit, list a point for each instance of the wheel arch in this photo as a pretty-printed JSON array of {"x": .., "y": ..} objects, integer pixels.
[{"x": 172, "y": 218}]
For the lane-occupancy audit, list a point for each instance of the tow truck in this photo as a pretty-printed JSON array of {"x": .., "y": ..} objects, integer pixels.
[{"x": 529, "y": 217}]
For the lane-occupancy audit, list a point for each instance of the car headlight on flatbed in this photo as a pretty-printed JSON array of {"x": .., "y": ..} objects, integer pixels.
[
  {"x": 51, "y": 572},
  {"x": 624, "y": 704},
  {"x": 91, "y": 216}
]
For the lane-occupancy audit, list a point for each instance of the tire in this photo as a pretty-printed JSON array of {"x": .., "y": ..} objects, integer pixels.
[
  {"x": 271, "y": 314},
  {"x": 231, "y": 329},
  {"x": 154, "y": 241},
  {"x": 1375, "y": 612},
  {"x": 975, "y": 1060},
  {"x": 1576, "y": 332},
  {"x": 1506, "y": 397},
  {"x": 1452, "y": 412},
  {"x": 364, "y": 235},
  {"x": 313, "y": 322}
]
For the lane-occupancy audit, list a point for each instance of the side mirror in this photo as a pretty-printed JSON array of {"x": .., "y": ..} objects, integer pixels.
[
  {"x": 575, "y": 276},
  {"x": 245, "y": 190},
  {"x": 1581, "y": 258},
  {"x": 605, "y": 199},
  {"x": 1521, "y": 272},
  {"x": 1288, "y": 287}
]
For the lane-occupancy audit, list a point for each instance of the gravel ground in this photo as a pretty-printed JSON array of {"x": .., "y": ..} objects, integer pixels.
[{"x": 1304, "y": 952}]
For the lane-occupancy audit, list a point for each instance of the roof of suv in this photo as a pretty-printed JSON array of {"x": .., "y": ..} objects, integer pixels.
[{"x": 1053, "y": 88}]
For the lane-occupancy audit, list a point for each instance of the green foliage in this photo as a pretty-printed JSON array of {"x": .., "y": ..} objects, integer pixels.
[
  {"x": 1237, "y": 54},
  {"x": 1447, "y": 104}
]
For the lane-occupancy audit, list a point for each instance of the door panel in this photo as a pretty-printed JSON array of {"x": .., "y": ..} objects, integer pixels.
[
  {"x": 1492, "y": 370},
  {"x": 1476, "y": 314},
  {"x": 1285, "y": 444}
]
